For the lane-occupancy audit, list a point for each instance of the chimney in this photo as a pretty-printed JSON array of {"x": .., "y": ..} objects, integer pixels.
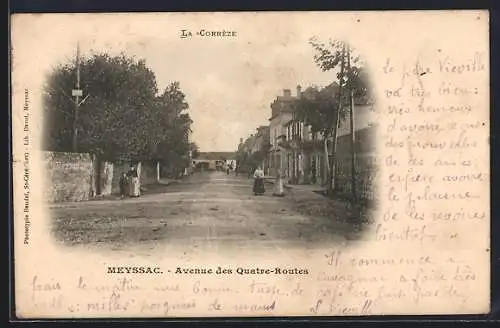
[
  {"x": 299, "y": 91},
  {"x": 287, "y": 93}
]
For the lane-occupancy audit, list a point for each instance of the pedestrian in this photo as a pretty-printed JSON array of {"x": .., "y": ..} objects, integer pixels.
[
  {"x": 134, "y": 186},
  {"x": 123, "y": 185},
  {"x": 258, "y": 184}
]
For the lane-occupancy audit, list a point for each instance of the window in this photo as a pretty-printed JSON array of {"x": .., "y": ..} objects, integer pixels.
[{"x": 297, "y": 130}]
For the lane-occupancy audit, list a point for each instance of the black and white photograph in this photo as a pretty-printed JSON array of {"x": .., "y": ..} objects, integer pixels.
[
  {"x": 133, "y": 164},
  {"x": 250, "y": 164}
]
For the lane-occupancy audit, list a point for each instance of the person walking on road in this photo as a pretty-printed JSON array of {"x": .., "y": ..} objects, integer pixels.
[{"x": 258, "y": 184}]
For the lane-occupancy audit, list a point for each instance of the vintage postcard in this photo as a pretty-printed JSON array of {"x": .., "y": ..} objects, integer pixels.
[{"x": 251, "y": 164}]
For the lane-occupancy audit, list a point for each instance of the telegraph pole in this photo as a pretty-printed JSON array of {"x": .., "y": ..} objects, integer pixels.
[
  {"x": 77, "y": 93},
  {"x": 353, "y": 134},
  {"x": 336, "y": 123}
]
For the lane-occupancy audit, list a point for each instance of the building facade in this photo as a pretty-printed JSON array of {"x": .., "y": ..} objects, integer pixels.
[
  {"x": 254, "y": 151},
  {"x": 295, "y": 151},
  {"x": 304, "y": 154},
  {"x": 300, "y": 154},
  {"x": 282, "y": 109}
]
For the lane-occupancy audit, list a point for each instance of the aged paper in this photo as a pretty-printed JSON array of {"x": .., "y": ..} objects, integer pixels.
[{"x": 207, "y": 246}]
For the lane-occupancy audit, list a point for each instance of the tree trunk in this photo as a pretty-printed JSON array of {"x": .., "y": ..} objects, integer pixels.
[
  {"x": 331, "y": 181},
  {"x": 157, "y": 171},
  {"x": 98, "y": 166}
]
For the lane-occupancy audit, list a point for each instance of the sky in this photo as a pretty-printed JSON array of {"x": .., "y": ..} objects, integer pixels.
[
  {"x": 229, "y": 82},
  {"x": 229, "y": 86}
]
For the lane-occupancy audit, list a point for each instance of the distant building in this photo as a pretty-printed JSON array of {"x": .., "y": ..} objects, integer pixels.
[
  {"x": 254, "y": 151},
  {"x": 212, "y": 160}
]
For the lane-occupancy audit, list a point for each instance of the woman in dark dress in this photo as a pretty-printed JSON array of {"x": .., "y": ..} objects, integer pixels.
[{"x": 258, "y": 184}]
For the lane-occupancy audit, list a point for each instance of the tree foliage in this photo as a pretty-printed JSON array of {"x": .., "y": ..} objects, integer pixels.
[
  {"x": 321, "y": 107},
  {"x": 336, "y": 55},
  {"x": 248, "y": 160},
  {"x": 122, "y": 113},
  {"x": 330, "y": 56},
  {"x": 173, "y": 125},
  {"x": 317, "y": 108}
]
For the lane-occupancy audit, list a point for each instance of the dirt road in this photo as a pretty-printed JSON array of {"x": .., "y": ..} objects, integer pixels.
[{"x": 209, "y": 211}]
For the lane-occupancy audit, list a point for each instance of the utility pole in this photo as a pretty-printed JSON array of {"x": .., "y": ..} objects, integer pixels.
[
  {"x": 353, "y": 134},
  {"x": 331, "y": 177},
  {"x": 77, "y": 93}
]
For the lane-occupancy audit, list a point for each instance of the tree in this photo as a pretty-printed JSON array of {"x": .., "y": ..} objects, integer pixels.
[
  {"x": 351, "y": 76},
  {"x": 123, "y": 114},
  {"x": 173, "y": 126},
  {"x": 318, "y": 108},
  {"x": 118, "y": 114}
]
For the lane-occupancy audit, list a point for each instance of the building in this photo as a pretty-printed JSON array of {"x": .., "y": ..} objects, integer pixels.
[
  {"x": 261, "y": 139},
  {"x": 243, "y": 158},
  {"x": 300, "y": 155},
  {"x": 212, "y": 160},
  {"x": 295, "y": 152},
  {"x": 282, "y": 109},
  {"x": 261, "y": 147},
  {"x": 253, "y": 151},
  {"x": 304, "y": 154}
]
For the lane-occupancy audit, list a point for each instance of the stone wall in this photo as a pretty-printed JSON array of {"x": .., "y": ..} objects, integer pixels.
[
  {"x": 70, "y": 177},
  {"x": 79, "y": 176}
]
